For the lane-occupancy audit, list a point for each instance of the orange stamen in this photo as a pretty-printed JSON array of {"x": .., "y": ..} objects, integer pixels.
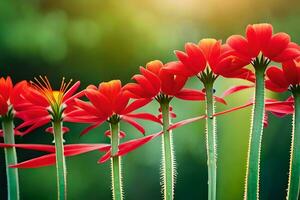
[{"x": 54, "y": 97}]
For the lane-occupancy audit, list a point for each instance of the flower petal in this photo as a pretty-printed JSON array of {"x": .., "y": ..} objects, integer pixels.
[
  {"x": 276, "y": 76},
  {"x": 191, "y": 94},
  {"x": 276, "y": 45},
  {"x": 135, "y": 124},
  {"x": 146, "y": 116},
  {"x": 89, "y": 128},
  {"x": 131, "y": 145},
  {"x": 136, "y": 105},
  {"x": 38, "y": 147},
  {"x": 235, "y": 89},
  {"x": 41, "y": 161}
]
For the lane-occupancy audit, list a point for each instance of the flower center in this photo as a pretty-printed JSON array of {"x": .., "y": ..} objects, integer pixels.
[{"x": 54, "y": 97}]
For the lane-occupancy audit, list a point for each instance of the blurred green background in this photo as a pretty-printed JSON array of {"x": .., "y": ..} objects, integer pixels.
[{"x": 95, "y": 41}]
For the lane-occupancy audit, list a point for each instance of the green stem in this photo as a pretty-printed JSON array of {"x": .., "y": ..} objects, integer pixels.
[
  {"x": 60, "y": 161},
  {"x": 11, "y": 159},
  {"x": 294, "y": 174},
  {"x": 254, "y": 149},
  {"x": 211, "y": 143},
  {"x": 116, "y": 163},
  {"x": 168, "y": 163}
]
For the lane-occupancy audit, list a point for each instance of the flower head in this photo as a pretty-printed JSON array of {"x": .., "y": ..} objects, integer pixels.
[
  {"x": 260, "y": 39},
  {"x": 287, "y": 78},
  {"x": 209, "y": 56},
  {"x": 41, "y": 104},
  {"x": 110, "y": 102},
  {"x": 9, "y": 95},
  {"x": 156, "y": 81}
]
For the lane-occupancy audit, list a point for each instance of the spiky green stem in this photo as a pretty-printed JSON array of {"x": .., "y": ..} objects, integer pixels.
[
  {"x": 211, "y": 143},
  {"x": 168, "y": 162},
  {"x": 294, "y": 174},
  {"x": 254, "y": 149},
  {"x": 116, "y": 162},
  {"x": 60, "y": 161},
  {"x": 10, "y": 159}
]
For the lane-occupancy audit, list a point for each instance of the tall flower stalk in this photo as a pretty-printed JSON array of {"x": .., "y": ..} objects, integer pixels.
[
  {"x": 60, "y": 160},
  {"x": 168, "y": 159},
  {"x": 294, "y": 172},
  {"x": 116, "y": 171},
  {"x": 253, "y": 159},
  {"x": 211, "y": 141},
  {"x": 10, "y": 158}
]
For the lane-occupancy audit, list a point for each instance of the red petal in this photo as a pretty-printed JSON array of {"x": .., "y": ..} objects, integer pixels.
[
  {"x": 265, "y": 120},
  {"x": 131, "y": 145},
  {"x": 283, "y": 107},
  {"x": 38, "y": 147},
  {"x": 71, "y": 91},
  {"x": 196, "y": 61},
  {"x": 136, "y": 105},
  {"x": 132, "y": 122},
  {"x": 110, "y": 89},
  {"x": 64, "y": 129},
  {"x": 41, "y": 161},
  {"x": 178, "y": 68},
  {"x": 89, "y": 128},
  {"x": 146, "y": 84},
  {"x": 274, "y": 87},
  {"x": 121, "y": 101},
  {"x": 101, "y": 102},
  {"x": 136, "y": 91},
  {"x": 220, "y": 100},
  {"x": 89, "y": 108},
  {"x": 70, "y": 150},
  {"x": 76, "y": 149},
  {"x": 291, "y": 72},
  {"x": 240, "y": 45},
  {"x": 3, "y": 106},
  {"x": 287, "y": 54},
  {"x": 276, "y": 45},
  {"x": 235, "y": 89},
  {"x": 277, "y": 77},
  {"x": 105, "y": 157},
  {"x": 184, "y": 122},
  {"x": 190, "y": 94},
  {"x": 152, "y": 72},
  {"x": 171, "y": 84},
  {"x": 108, "y": 134},
  {"x": 258, "y": 36},
  {"x": 146, "y": 116},
  {"x": 35, "y": 124}
]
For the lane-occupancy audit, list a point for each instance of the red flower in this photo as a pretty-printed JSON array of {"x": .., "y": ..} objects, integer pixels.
[
  {"x": 280, "y": 80},
  {"x": 109, "y": 101},
  {"x": 260, "y": 39},
  {"x": 209, "y": 54},
  {"x": 41, "y": 104},
  {"x": 155, "y": 80},
  {"x": 9, "y": 94}
]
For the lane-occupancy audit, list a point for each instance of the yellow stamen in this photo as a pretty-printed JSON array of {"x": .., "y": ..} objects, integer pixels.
[{"x": 54, "y": 97}]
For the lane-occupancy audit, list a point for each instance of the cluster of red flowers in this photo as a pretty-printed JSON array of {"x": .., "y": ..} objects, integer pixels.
[{"x": 37, "y": 104}]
